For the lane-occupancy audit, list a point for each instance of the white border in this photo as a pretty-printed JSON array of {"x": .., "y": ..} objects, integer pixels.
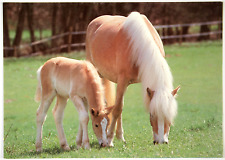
[{"x": 2, "y": 86}]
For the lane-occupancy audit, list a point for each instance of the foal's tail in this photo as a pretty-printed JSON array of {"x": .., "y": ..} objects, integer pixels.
[{"x": 38, "y": 90}]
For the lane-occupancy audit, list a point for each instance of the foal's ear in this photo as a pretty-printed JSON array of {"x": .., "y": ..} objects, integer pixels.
[
  {"x": 174, "y": 92},
  {"x": 150, "y": 93},
  {"x": 108, "y": 110},
  {"x": 94, "y": 113}
]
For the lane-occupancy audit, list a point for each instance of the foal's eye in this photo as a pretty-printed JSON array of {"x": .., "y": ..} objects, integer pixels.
[{"x": 96, "y": 125}]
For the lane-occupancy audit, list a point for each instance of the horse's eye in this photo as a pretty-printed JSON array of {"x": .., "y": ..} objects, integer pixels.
[{"x": 96, "y": 125}]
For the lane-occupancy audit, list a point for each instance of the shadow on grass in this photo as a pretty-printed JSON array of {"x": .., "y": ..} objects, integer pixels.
[{"x": 57, "y": 150}]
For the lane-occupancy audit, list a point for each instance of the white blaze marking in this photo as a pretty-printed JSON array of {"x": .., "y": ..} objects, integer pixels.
[
  {"x": 104, "y": 125},
  {"x": 161, "y": 130}
]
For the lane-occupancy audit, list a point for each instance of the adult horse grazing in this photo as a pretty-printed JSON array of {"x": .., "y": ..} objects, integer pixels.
[
  {"x": 79, "y": 81},
  {"x": 128, "y": 50}
]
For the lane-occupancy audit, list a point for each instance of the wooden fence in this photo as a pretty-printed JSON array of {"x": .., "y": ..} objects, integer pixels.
[{"x": 72, "y": 46}]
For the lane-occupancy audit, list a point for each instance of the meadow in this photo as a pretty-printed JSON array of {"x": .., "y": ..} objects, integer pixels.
[{"x": 197, "y": 130}]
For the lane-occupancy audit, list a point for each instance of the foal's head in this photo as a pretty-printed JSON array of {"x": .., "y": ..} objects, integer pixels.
[
  {"x": 163, "y": 108},
  {"x": 100, "y": 123}
]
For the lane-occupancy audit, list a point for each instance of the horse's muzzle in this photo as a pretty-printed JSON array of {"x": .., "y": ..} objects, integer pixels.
[{"x": 156, "y": 142}]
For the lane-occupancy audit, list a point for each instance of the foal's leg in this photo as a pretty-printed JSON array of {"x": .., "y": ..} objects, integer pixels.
[
  {"x": 58, "y": 113},
  {"x": 117, "y": 111},
  {"x": 84, "y": 118},
  {"x": 79, "y": 136},
  {"x": 41, "y": 115}
]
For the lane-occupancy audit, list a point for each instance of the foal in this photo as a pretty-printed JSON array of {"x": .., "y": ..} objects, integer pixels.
[{"x": 78, "y": 80}]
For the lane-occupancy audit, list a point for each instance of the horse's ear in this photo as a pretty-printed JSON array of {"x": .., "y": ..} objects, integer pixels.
[
  {"x": 94, "y": 113},
  {"x": 174, "y": 92},
  {"x": 150, "y": 93},
  {"x": 108, "y": 110}
]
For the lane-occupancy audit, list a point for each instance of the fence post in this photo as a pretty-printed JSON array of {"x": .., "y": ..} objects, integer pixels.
[{"x": 181, "y": 33}]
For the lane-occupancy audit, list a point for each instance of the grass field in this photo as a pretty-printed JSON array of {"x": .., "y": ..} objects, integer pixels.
[{"x": 197, "y": 131}]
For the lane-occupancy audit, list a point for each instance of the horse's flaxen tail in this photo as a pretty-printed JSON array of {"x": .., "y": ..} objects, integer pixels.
[{"x": 38, "y": 90}]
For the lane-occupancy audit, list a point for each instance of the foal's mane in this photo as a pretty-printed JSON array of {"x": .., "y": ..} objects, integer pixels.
[
  {"x": 95, "y": 88},
  {"x": 154, "y": 71}
]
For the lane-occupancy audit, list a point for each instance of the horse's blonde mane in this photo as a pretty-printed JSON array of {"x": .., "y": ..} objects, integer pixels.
[{"x": 154, "y": 71}]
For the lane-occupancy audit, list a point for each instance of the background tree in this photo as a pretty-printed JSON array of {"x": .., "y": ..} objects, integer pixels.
[
  {"x": 59, "y": 18},
  {"x": 6, "y": 31}
]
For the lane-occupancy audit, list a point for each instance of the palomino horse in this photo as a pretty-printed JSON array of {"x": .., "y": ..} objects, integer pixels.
[
  {"x": 79, "y": 81},
  {"x": 128, "y": 50}
]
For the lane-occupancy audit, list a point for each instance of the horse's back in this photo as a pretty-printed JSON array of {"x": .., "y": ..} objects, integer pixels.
[
  {"x": 108, "y": 23},
  {"x": 62, "y": 74}
]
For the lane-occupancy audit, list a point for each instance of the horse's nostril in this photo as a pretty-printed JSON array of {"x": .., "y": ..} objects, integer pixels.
[
  {"x": 102, "y": 145},
  {"x": 165, "y": 142}
]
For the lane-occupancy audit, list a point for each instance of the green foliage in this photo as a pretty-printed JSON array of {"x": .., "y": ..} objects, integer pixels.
[
  {"x": 197, "y": 130},
  {"x": 26, "y": 35}
]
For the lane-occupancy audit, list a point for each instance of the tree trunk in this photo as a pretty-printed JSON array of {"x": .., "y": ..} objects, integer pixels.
[
  {"x": 141, "y": 7},
  {"x": 54, "y": 16},
  {"x": 184, "y": 31},
  {"x": 29, "y": 7},
  {"x": 170, "y": 33},
  {"x": 19, "y": 29},
  {"x": 65, "y": 11},
  {"x": 220, "y": 28},
  {"x": 6, "y": 31},
  {"x": 204, "y": 29}
]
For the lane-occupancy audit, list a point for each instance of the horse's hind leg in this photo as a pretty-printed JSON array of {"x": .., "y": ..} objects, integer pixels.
[
  {"x": 58, "y": 113},
  {"x": 46, "y": 101}
]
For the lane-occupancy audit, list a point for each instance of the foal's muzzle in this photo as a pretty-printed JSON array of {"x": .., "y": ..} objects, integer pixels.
[{"x": 103, "y": 145}]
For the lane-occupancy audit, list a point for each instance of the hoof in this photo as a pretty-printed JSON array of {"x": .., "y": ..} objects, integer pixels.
[
  {"x": 87, "y": 146},
  {"x": 78, "y": 146},
  {"x": 120, "y": 137},
  {"x": 38, "y": 147},
  {"x": 39, "y": 150},
  {"x": 111, "y": 144},
  {"x": 65, "y": 148}
]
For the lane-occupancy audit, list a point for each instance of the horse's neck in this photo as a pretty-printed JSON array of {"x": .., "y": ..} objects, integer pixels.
[{"x": 94, "y": 98}]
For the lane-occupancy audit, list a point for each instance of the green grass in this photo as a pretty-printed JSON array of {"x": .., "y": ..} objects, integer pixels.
[
  {"x": 26, "y": 35},
  {"x": 197, "y": 131}
]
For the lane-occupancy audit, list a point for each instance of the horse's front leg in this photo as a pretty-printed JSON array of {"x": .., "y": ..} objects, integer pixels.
[
  {"x": 84, "y": 118},
  {"x": 119, "y": 129},
  {"x": 117, "y": 111}
]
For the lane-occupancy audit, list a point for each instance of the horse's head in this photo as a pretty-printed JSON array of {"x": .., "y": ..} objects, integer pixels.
[
  {"x": 100, "y": 122},
  {"x": 163, "y": 108}
]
